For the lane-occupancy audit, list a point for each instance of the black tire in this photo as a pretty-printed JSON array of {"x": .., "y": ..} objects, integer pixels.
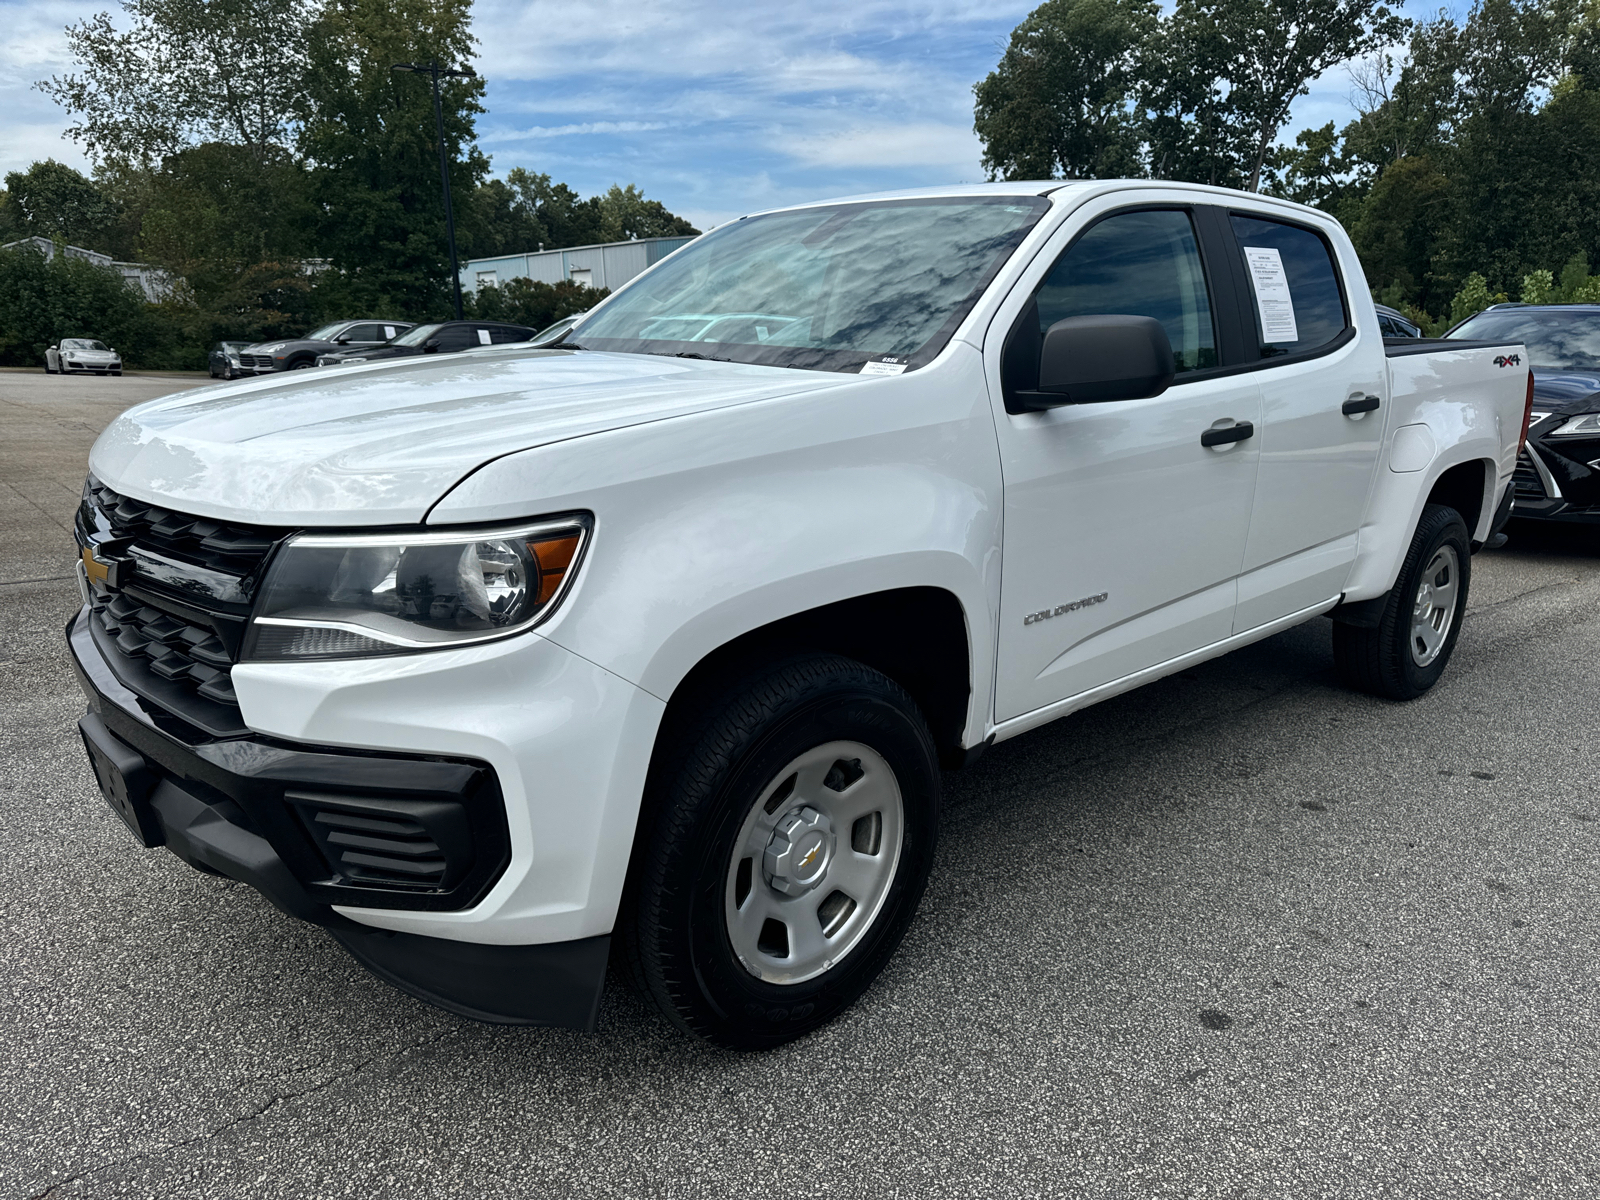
[
  {"x": 118, "y": 374},
  {"x": 674, "y": 936},
  {"x": 1380, "y": 660}
]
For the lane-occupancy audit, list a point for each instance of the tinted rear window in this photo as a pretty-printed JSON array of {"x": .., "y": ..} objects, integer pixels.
[{"x": 1313, "y": 285}]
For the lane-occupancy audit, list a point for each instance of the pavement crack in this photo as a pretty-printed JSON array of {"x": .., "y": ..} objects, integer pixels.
[
  {"x": 255, "y": 1113},
  {"x": 1519, "y": 597}
]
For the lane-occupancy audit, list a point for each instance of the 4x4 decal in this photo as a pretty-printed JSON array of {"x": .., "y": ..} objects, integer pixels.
[{"x": 1508, "y": 360}]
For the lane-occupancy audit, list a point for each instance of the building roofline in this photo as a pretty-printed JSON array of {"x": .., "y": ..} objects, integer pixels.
[{"x": 677, "y": 237}]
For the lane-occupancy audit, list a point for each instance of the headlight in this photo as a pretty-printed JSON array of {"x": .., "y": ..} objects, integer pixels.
[
  {"x": 350, "y": 596},
  {"x": 1587, "y": 425}
]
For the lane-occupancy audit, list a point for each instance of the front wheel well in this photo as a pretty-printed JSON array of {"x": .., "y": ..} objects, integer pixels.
[
  {"x": 1462, "y": 488},
  {"x": 916, "y": 636}
]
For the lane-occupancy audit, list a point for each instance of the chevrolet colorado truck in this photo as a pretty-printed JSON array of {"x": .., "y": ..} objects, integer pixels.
[{"x": 651, "y": 645}]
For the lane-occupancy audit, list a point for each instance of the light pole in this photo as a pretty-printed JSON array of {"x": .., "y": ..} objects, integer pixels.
[{"x": 434, "y": 70}]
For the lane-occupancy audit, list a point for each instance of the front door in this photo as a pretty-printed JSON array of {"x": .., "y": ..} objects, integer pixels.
[{"x": 1124, "y": 535}]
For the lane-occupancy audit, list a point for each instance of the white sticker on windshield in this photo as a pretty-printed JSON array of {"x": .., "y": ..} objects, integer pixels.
[
  {"x": 884, "y": 366},
  {"x": 1273, "y": 301},
  {"x": 483, "y": 334}
]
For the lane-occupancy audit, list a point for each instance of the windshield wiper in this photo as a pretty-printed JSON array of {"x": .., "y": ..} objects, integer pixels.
[{"x": 702, "y": 357}]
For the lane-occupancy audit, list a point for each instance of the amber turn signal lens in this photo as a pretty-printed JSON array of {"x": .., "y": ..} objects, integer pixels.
[{"x": 554, "y": 556}]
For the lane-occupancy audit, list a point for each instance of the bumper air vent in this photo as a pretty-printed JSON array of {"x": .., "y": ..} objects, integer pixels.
[
  {"x": 1525, "y": 480},
  {"x": 415, "y": 845}
]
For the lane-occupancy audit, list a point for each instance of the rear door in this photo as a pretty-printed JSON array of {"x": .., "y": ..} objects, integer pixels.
[
  {"x": 1317, "y": 460},
  {"x": 1124, "y": 535}
]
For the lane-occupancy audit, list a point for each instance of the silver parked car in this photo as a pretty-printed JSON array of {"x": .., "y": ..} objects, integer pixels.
[{"x": 79, "y": 356}]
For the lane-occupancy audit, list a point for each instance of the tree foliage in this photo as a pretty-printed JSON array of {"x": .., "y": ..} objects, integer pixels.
[
  {"x": 1064, "y": 99},
  {"x": 52, "y": 200},
  {"x": 1472, "y": 169},
  {"x": 534, "y": 303},
  {"x": 185, "y": 71},
  {"x": 266, "y": 156}
]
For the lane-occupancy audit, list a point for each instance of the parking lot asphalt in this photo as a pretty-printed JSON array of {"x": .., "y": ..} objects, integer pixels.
[{"x": 1239, "y": 933}]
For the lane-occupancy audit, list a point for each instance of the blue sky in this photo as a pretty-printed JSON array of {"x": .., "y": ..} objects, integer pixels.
[{"x": 713, "y": 107}]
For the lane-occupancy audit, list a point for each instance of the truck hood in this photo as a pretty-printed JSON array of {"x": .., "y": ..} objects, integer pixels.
[{"x": 380, "y": 444}]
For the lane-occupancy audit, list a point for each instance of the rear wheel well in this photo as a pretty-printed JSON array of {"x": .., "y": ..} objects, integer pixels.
[
  {"x": 915, "y": 636},
  {"x": 1461, "y": 488}
]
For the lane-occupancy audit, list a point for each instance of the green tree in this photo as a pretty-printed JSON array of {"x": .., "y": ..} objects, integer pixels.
[
  {"x": 184, "y": 72},
  {"x": 52, "y": 200},
  {"x": 534, "y": 303},
  {"x": 45, "y": 299},
  {"x": 368, "y": 136},
  {"x": 1258, "y": 56},
  {"x": 625, "y": 214},
  {"x": 1063, "y": 100}
]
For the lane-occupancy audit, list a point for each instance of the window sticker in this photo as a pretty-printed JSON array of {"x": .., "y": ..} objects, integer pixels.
[
  {"x": 1273, "y": 301},
  {"x": 483, "y": 334},
  {"x": 388, "y": 333},
  {"x": 885, "y": 364}
]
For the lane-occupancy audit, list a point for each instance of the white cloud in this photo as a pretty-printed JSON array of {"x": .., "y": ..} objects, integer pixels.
[{"x": 891, "y": 144}]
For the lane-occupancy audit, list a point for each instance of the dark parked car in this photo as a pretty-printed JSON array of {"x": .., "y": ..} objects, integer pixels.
[
  {"x": 1395, "y": 323},
  {"x": 224, "y": 359},
  {"x": 1558, "y": 474},
  {"x": 294, "y": 354},
  {"x": 433, "y": 339}
]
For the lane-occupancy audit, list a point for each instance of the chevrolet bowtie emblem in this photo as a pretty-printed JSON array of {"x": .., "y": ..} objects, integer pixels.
[{"x": 108, "y": 572}]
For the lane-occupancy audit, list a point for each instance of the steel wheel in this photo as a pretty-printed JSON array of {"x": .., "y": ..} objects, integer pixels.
[
  {"x": 813, "y": 862},
  {"x": 1434, "y": 610}
]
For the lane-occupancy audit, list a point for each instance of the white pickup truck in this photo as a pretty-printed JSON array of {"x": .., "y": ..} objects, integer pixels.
[{"x": 654, "y": 643}]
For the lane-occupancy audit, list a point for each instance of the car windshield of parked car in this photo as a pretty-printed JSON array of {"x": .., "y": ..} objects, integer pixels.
[
  {"x": 82, "y": 344},
  {"x": 1557, "y": 340},
  {"x": 326, "y": 333},
  {"x": 831, "y": 288},
  {"x": 415, "y": 337}
]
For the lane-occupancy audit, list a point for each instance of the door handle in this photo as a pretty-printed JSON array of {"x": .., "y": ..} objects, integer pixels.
[
  {"x": 1358, "y": 404},
  {"x": 1221, "y": 435}
]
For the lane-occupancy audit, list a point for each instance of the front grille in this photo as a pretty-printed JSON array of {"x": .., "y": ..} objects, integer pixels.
[
  {"x": 423, "y": 845},
  {"x": 171, "y": 625},
  {"x": 1525, "y": 479},
  {"x": 256, "y": 362}
]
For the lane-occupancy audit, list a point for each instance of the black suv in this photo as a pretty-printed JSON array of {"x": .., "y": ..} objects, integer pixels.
[
  {"x": 295, "y": 353},
  {"x": 433, "y": 339}
]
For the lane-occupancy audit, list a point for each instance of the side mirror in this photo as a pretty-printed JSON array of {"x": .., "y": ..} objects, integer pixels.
[
  {"x": 1094, "y": 359},
  {"x": 342, "y": 340},
  {"x": 430, "y": 345}
]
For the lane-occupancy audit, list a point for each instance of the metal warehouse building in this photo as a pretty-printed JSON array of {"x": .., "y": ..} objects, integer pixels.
[{"x": 609, "y": 265}]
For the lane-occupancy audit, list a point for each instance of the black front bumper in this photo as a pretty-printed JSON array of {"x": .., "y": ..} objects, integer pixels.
[{"x": 246, "y": 808}]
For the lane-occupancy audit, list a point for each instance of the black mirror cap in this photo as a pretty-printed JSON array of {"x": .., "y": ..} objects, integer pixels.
[{"x": 1093, "y": 359}]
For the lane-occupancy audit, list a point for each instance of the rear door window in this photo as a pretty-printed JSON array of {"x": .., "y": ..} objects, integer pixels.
[
  {"x": 365, "y": 333},
  {"x": 1291, "y": 286}
]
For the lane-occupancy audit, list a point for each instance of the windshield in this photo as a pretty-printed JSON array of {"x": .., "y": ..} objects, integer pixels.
[
  {"x": 1557, "y": 339},
  {"x": 82, "y": 344},
  {"x": 829, "y": 288},
  {"x": 326, "y": 333},
  {"x": 415, "y": 337}
]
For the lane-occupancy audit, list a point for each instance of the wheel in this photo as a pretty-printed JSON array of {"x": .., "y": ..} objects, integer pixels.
[
  {"x": 787, "y": 839},
  {"x": 1407, "y": 651},
  {"x": 302, "y": 366},
  {"x": 118, "y": 374}
]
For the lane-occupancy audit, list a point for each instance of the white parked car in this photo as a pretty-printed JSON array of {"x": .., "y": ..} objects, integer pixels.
[
  {"x": 500, "y": 664},
  {"x": 71, "y": 356}
]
